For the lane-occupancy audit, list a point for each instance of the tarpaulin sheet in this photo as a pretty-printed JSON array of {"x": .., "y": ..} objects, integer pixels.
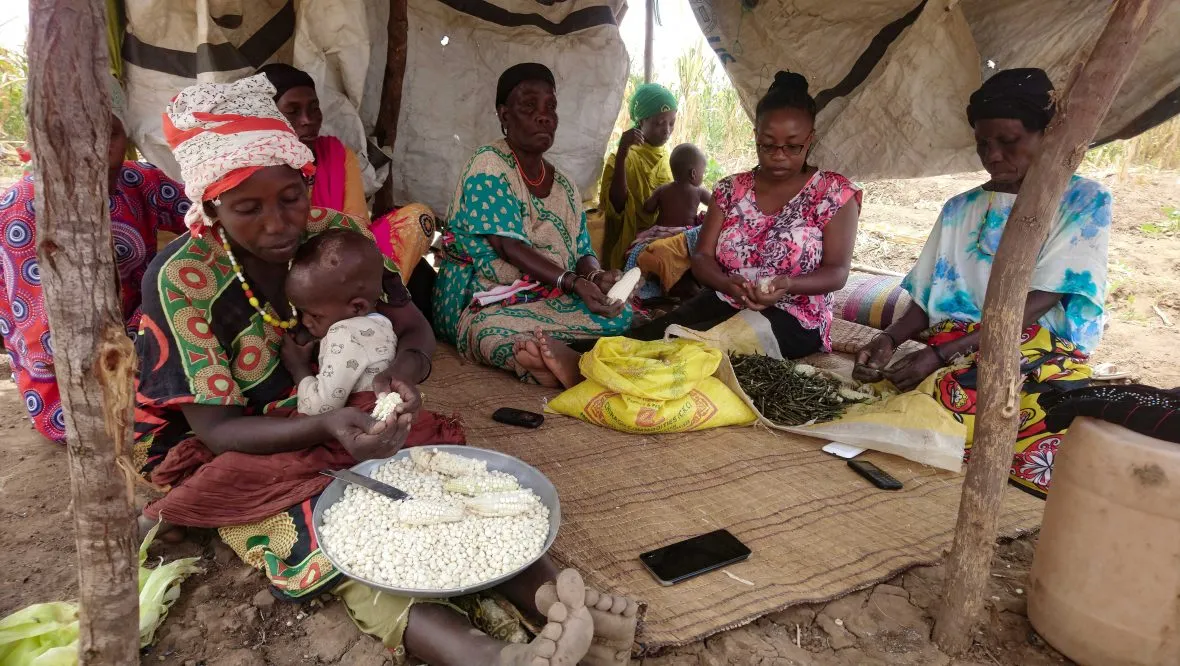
[
  {"x": 892, "y": 77},
  {"x": 448, "y": 92}
]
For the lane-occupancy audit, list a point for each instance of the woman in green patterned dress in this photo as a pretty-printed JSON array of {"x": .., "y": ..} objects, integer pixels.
[{"x": 516, "y": 228}]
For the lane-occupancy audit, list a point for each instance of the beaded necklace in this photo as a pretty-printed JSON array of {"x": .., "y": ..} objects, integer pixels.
[
  {"x": 523, "y": 175},
  {"x": 283, "y": 324}
]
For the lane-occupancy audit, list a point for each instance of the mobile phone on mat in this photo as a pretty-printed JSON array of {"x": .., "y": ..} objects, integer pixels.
[
  {"x": 875, "y": 475},
  {"x": 845, "y": 451},
  {"x": 518, "y": 417},
  {"x": 693, "y": 557}
]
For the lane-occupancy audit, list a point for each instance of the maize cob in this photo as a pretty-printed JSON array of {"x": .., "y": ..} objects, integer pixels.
[
  {"x": 386, "y": 405},
  {"x": 428, "y": 512},
  {"x": 421, "y": 457},
  {"x": 509, "y": 503},
  {"x": 481, "y": 484},
  {"x": 453, "y": 465},
  {"x": 853, "y": 395},
  {"x": 621, "y": 291}
]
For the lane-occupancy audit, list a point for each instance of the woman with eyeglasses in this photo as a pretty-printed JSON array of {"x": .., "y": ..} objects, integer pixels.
[{"x": 777, "y": 239}]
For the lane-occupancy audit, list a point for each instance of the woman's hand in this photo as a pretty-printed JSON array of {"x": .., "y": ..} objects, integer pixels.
[
  {"x": 607, "y": 279},
  {"x": 297, "y": 357},
  {"x": 735, "y": 287},
  {"x": 877, "y": 354},
  {"x": 630, "y": 139},
  {"x": 914, "y": 369},
  {"x": 756, "y": 298},
  {"x": 596, "y": 300},
  {"x": 366, "y": 438}
]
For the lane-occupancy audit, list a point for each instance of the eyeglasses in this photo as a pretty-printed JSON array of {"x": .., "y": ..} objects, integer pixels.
[{"x": 790, "y": 149}]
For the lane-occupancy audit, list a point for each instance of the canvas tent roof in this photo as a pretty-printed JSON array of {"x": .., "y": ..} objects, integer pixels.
[
  {"x": 892, "y": 76},
  {"x": 448, "y": 91}
]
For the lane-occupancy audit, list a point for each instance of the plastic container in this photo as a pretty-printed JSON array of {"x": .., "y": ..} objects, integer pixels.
[{"x": 1105, "y": 580}]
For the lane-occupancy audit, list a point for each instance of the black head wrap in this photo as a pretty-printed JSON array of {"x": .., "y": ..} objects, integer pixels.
[
  {"x": 1020, "y": 94},
  {"x": 285, "y": 77},
  {"x": 518, "y": 74}
]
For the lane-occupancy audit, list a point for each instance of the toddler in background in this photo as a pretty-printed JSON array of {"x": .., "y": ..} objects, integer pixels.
[
  {"x": 334, "y": 283},
  {"x": 679, "y": 201}
]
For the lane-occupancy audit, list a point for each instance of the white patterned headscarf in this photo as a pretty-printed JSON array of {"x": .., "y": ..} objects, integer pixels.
[{"x": 221, "y": 133}]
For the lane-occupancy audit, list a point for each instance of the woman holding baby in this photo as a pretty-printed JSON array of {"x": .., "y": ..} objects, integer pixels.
[{"x": 215, "y": 418}]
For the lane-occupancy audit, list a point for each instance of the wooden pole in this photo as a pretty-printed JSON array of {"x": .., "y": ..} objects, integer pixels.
[
  {"x": 69, "y": 133},
  {"x": 391, "y": 94},
  {"x": 1064, "y": 146},
  {"x": 649, "y": 42}
]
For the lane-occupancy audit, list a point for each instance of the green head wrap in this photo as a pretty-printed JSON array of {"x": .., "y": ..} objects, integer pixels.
[{"x": 650, "y": 99}]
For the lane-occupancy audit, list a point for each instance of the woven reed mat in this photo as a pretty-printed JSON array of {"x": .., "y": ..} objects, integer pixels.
[{"x": 816, "y": 529}]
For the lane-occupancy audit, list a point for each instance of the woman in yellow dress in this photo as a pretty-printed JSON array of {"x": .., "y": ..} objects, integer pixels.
[{"x": 635, "y": 171}]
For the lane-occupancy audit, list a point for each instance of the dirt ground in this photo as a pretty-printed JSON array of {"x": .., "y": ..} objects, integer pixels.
[{"x": 225, "y": 617}]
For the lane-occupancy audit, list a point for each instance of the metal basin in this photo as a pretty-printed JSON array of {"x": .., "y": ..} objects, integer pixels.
[{"x": 528, "y": 476}]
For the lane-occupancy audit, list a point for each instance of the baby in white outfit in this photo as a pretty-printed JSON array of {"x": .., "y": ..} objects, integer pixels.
[{"x": 335, "y": 284}]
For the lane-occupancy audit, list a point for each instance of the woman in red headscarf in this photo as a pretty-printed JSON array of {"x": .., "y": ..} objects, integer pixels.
[{"x": 212, "y": 391}]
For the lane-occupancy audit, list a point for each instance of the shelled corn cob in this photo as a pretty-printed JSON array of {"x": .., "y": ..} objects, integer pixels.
[{"x": 479, "y": 484}]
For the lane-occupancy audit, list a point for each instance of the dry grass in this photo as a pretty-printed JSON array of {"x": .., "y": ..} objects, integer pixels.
[
  {"x": 710, "y": 115},
  {"x": 14, "y": 70},
  {"x": 1157, "y": 148}
]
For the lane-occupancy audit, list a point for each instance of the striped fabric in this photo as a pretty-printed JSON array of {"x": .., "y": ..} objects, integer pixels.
[{"x": 871, "y": 300}]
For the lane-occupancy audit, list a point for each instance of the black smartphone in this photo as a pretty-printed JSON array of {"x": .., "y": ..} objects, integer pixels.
[
  {"x": 693, "y": 557},
  {"x": 518, "y": 417},
  {"x": 875, "y": 475}
]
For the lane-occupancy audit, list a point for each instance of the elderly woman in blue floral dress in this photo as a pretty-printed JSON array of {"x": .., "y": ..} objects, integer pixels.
[{"x": 1064, "y": 311}]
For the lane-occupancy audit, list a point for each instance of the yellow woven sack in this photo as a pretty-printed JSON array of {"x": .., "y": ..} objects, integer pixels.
[{"x": 652, "y": 387}]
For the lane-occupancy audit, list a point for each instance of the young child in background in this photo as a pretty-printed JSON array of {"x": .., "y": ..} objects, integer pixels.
[
  {"x": 335, "y": 284},
  {"x": 679, "y": 201}
]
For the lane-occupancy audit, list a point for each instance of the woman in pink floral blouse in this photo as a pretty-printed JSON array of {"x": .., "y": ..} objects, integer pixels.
[{"x": 777, "y": 240}]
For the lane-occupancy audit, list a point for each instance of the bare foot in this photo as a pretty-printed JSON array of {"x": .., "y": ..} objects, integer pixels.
[
  {"x": 168, "y": 533},
  {"x": 561, "y": 360},
  {"x": 565, "y": 640},
  {"x": 527, "y": 352},
  {"x": 615, "y": 620}
]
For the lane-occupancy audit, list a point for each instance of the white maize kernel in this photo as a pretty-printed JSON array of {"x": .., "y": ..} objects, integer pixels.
[
  {"x": 428, "y": 512},
  {"x": 364, "y": 533},
  {"x": 453, "y": 465},
  {"x": 386, "y": 405},
  {"x": 510, "y": 503},
  {"x": 478, "y": 485}
]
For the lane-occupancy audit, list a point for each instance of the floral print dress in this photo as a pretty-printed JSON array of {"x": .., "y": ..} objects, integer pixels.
[
  {"x": 143, "y": 202},
  {"x": 949, "y": 283},
  {"x": 790, "y": 241}
]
